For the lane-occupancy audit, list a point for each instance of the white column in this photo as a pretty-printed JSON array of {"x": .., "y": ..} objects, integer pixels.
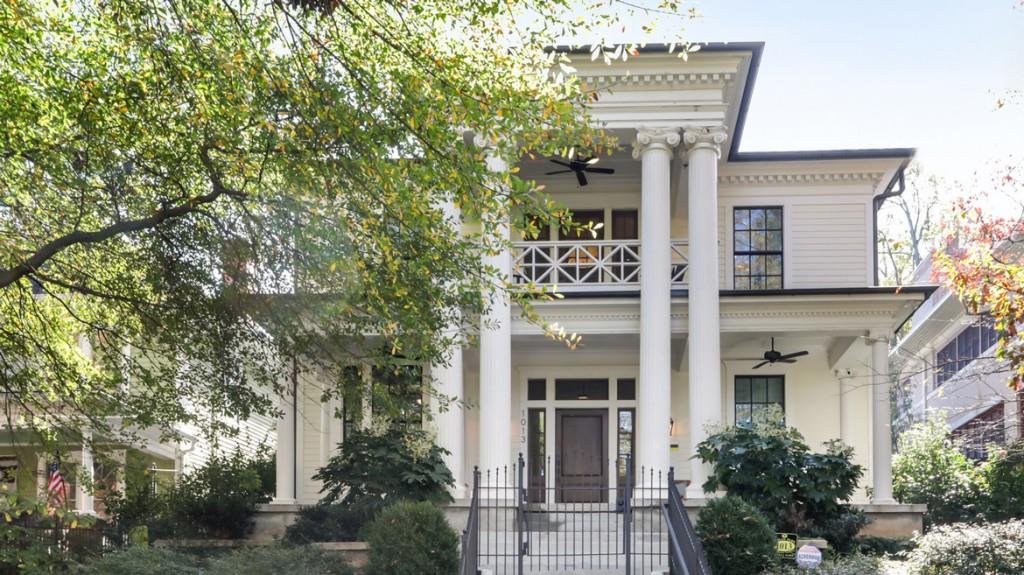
[
  {"x": 703, "y": 148},
  {"x": 285, "y": 492},
  {"x": 84, "y": 482},
  {"x": 881, "y": 421},
  {"x": 653, "y": 146},
  {"x": 496, "y": 355},
  {"x": 449, "y": 421}
]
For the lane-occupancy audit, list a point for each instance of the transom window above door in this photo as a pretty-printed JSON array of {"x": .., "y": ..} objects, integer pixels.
[{"x": 757, "y": 248}]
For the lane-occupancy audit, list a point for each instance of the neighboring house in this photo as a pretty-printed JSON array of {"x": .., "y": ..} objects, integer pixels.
[
  {"x": 707, "y": 255},
  {"x": 946, "y": 366},
  {"x": 112, "y": 465}
]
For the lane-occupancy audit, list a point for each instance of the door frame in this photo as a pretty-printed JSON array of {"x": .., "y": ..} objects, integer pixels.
[{"x": 550, "y": 373}]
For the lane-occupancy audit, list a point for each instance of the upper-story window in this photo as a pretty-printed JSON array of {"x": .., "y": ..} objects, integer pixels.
[
  {"x": 757, "y": 248},
  {"x": 967, "y": 346}
]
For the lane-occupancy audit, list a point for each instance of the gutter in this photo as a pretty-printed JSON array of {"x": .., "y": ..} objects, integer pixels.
[{"x": 896, "y": 186}]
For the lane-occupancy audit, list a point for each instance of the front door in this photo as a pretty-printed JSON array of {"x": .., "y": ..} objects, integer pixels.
[{"x": 581, "y": 460}]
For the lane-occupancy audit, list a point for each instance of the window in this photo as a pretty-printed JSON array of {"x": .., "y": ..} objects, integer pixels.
[
  {"x": 8, "y": 474},
  {"x": 625, "y": 389},
  {"x": 970, "y": 344},
  {"x": 581, "y": 389},
  {"x": 757, "y": 248},
  {"x": 988, "y": 428},
  {"x": 625, "y": 442},
  {"x": 399, "y": 393},
  {"x": 755, "y": 393},
  {"x": 352, "y": 401},
  {"x": 537, "y": 454},
  {"x": 537, "y": 389}
]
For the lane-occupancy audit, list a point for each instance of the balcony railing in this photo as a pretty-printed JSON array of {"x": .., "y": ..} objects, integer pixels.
[{"x": 589, "y": 265}]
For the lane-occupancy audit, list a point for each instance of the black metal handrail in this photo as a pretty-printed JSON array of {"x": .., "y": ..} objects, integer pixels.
[
  {"x": 470, "y": 560},
  {"x": 686, "y": 554}
]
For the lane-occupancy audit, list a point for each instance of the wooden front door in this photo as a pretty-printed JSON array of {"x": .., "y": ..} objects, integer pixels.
[{"x": 582, "y": 455}]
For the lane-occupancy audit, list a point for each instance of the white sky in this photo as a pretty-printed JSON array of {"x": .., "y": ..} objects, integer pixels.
[{"x": 874, "y": 73}]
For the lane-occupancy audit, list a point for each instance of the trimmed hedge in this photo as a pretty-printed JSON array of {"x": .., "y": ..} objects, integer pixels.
[
  {"x": 737, "y": 538},
  {"x": 410, "y": 538}
]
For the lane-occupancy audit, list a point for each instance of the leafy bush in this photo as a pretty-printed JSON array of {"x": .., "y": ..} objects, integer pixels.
[
  {"x": 770, "y": 466},
  {"x": 737, "y": 537},
  {"x": 964, "y": 549},
  {"x": 412, "y": 538},
  {"x": 1004, "y": 483},
  {"x": 392, "y": 464},
  {"x": 930, "y": 468},
  {"x": 149, "y": 560},
  {"x": 138, "y": 505},
  {"x": 332, "y": 521},
  {"x": 854, "y": 564},
  {"x": 881, "y": 546},
  {"x": 276, "y": 560},
  {"x": 218, "y": 499},
  {"x": 25, "y": 548}
]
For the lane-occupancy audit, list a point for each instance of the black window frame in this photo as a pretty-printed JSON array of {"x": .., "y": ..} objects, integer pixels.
[
  {"x": 750, "y": 253},
  {"x": 750, "y": 402}
]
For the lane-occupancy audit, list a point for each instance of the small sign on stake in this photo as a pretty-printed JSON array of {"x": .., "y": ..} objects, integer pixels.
[{"x": 808, "y": 557}]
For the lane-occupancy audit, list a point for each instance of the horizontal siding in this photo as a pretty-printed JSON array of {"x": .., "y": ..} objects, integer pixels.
[
  {"x": 310, "y": 437},
  {"x": 828, "y": 245}
]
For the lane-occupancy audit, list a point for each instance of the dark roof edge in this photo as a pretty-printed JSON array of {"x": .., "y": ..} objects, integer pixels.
[
  {"x": 925, "y": 290},
  {"x": 811, "y": 155}
]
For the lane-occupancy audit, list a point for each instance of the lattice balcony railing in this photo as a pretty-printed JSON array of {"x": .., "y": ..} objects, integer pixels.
[{"x": 590, "y": 265}]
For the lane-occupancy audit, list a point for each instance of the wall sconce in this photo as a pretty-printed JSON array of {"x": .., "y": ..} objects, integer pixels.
[{"x": 671, "y": 427}]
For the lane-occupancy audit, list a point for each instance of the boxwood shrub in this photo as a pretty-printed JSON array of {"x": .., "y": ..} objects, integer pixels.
[
  {"x": 412, "y": 538},
  {"x": 737, "y": 538}
]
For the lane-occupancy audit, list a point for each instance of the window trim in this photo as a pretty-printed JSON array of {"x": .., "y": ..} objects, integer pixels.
[
  {"x": 948, "y": 368},
  {"x": 781, "y": 252},
  {"x": 736, "y": 404}
]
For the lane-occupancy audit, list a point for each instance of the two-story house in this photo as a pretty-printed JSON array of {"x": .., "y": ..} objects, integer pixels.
[
  {"x": 946, "y": 367},
  {"x": 707, "y": 259}
]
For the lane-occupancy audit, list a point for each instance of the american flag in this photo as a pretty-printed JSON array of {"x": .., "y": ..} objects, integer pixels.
[{"x": 56, "y": 488}]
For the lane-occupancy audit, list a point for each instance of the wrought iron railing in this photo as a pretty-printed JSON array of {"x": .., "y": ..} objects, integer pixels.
[
  {"x": 583, "y": 265},
  {"x": 588, "y": 526},
  {"x": 469, "y": 561},
  {"x": 686, "y": 554}
]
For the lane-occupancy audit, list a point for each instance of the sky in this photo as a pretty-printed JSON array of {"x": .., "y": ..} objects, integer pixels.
[{"x": 900, "y": 73}]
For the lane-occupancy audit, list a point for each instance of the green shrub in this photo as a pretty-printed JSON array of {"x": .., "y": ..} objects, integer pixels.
[
  {"x": 332, "y": 521},
  {"x": 930, "y": 468},
  {"x": 965, "y": 549},
  {"x": 275, "y": 560},
  {"x": 843, "y": 565},
  {"x": 770, "y": 466},
  {"x": 883, "y": 546},
  {"x": 412, "y": 538},
  {"x": 139, "y": 505},
  {"x": 395, "y": 464},
  {"x": 1004, "y": 483},
  {"x": 218, "y": 499},
  {"x": 737, "y": 538},
  {"x": 148, "y": 560}
]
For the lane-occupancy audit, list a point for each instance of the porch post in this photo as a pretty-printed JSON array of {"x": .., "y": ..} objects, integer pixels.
[
  {"x": 496, "y": 351},
  {"x": 285, "y": 482},
  {"x": 653, "y": 146},
  {"x": 881, "y": 421},
  {"x": 450, "y": 422},
  {"x": 84, "y": 483},
  {"x": 703, "y": 148}
]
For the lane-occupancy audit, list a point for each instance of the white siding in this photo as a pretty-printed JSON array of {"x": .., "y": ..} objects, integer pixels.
[{"x": 827, "y": 245}]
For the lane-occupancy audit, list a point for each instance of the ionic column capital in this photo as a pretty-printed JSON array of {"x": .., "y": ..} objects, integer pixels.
[
  {"x": 705, "y": 138},
  {"x": 648, "y": 138}
]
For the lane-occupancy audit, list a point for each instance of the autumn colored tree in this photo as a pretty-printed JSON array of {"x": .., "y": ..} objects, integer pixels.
[
  {"x": 982, "y": 260},
  {"x": 192, "y": 190}
]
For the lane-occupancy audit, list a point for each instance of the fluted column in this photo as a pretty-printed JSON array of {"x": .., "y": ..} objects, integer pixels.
[
  {"x": 496, "y": 351},
  {"x": 881, "y": 421},
  {"x": 449, "y": 421},
  {"x": 653, "y": 147},
  {"x": 703, "y": 148},
  {"x": 285, "y": 483}
]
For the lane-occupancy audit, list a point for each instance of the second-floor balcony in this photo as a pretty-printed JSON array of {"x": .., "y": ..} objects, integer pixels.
[{"x": 598, "y": 265}]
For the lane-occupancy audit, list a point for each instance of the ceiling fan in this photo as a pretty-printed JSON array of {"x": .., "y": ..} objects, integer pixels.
[
  {"x": 580, "y": 167},
  {"x": 771, "y": 356}
]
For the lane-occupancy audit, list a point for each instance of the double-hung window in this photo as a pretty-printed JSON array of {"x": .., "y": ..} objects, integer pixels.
[
  {"x": 757, "y": 248},
  {"x": 754, "y": 394}
]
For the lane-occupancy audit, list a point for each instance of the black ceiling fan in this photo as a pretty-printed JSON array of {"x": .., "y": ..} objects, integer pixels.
[
  {"x": 579, "y": 167},
  {"x": 771, "y": 356}
]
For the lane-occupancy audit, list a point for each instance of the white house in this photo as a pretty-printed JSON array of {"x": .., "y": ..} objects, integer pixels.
[
  {"x": 946, "y": 367},
  {"x": 709, "y": 256}
]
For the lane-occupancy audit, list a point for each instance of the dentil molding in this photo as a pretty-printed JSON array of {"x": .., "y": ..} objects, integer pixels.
[{"x": 836, "y": 177}]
